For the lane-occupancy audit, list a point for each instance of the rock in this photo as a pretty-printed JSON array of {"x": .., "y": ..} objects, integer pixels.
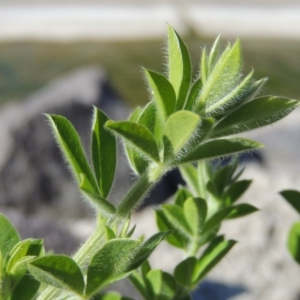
[{"x": 34, "y": 179}]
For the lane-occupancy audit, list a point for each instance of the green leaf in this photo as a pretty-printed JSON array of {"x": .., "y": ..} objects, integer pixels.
[
  {"x": 99, "y": 201},
  {"x": 18, "y": 252},
  {"x": 111, "y": 296},
  {"x": 204, "y": 66},
  {"x": 70, "y": 145},
  {"x": 110, "y": 263},
  {"x": 223, "y": 78},
  {"x": 181, "y": 196},
  {"x": 146, "y": 249},
  {"x": 180, "y": 69},
  {"x": 294, "y": 242},
  {"x": 293, "y": 198},
  {"x": 160, "y": 285},
  {"x": 136, "y": 135},
  {"x": 59, "y": 271},
  {"x": 232, "y": 99},
  {"x": 184, "y": 271},
  {"x": 235, "y": 191},
  {"x": 195, "y": 210},
  {"x": 176, "y": 239},
  {"x": 138, "y": 163},
  {"x": 150, "y": 118},
  {"x": 9, "y": 236},
  {"x": 163, "y": 93},
  {"x": 254, "y": 114},
  {"x": 20, "y": 267},
  {"x": 193, "y": 94},
  {"x": 110, "y": 234},
  {"x": 214, "y": 54},
  {"x": 220, "y": 147},
  {"x": 190, "y": 176},
  {"x": 138, "y": 282},
  {"x": 26, "y": 288},
  {"x": 104, "y": 152},
  {"x": 214, "y": 221},
  {"x": 224, "y": 175},
  {"x": 175, "y": 216},
  {"x": 241, "y": 210},
  {"x": 217, "y": 249},
  {"x": 179, "y": 129}
]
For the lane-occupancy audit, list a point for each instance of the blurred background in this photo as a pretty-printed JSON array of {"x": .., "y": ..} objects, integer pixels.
[{"x": 64, "y": 56}]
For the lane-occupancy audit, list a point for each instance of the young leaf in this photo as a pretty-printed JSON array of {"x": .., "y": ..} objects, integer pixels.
[
  {"x": 204, "y": 66},
  {"x": 160, "y": 285},
  {"x": 9, "y": 237},
  {"x": 219, "y": 147},
  {"x": 59, "y": 271},
  {"x": 181, "y": 196},
  {"x": 175, "y": 216},
  {"x": 111, "y": 296},
  {"x": 163, "y": 93},
  {"x": 104, "y": 153},
  {"x": 176, "y": 239},
  {"x": 138, "y": 282},
  {"x": 235, "y": 191},
  {"x": 179, "y": 129},
  {"x": 216, "y": 219},
  {"x": 100, "y": 202},
  {"x": 146, "y": 249},
  {"x": 224, "y": 174},
  {"x": 193, "y": 95},
  {"x": 180, "y": 69},
  {"x": 254, "y": 114},
  {"x": 26, "y": 288},
  {"x": 230, "y": 100},
  {"x": 293, "y": 198},
  {"x": 215, "y": 87},
  {"x": 190, "y": 176},
  {"x": 150, "y": 118},
  {"x": 214, "y": 54},
  {"x": 137, "y": 162},
  {"x": 110, "y": 263},
  {"x": 241, "y": 210},
  {"x": 110, "y": 234},
  {"x": 69, "y": 142},
  {"x": 217, "y": 249},
  {"x": 195, "y": 210},
  {"x": 184, "y": 271},
  {"x": 137, "y": 135},
  {"x": 18, "y": 252},
  {"x": 294, "y": 242},
  {"x": 20, "y": 267}
]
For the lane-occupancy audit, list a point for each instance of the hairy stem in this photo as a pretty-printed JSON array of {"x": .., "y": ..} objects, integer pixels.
[{"x": 92, "y": 245}]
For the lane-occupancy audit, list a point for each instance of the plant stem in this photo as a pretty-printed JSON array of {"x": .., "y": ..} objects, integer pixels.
[
  {"x": 134, "y": 196},
  {"x": 97, "y": 239}
]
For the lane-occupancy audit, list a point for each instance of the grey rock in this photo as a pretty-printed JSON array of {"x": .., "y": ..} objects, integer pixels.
[{"x": 34, "y": 179}]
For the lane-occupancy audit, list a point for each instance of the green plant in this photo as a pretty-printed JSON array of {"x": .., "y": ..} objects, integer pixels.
[
  {"x": 185, "y": 122},
  {"x": 293, "y": 198}
]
